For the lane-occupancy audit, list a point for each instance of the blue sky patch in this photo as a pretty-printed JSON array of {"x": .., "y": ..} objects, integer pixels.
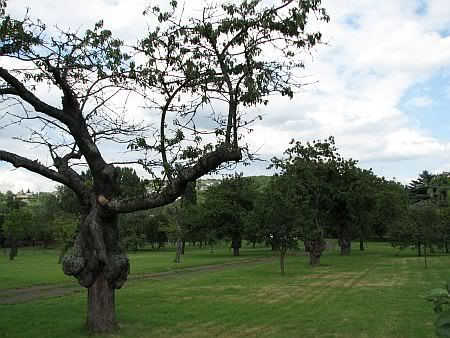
[{"x": 427, "y": 105}]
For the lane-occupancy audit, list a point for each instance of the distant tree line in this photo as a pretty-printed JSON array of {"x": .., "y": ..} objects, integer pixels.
[
  {"x": 424, "y": 224},
  {"x": 315, "y": 194}
]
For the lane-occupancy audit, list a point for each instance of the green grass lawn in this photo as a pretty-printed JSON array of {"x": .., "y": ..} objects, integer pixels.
[
  {"x": 368, "y": 294},
  {"x": 34, "y": 267}
]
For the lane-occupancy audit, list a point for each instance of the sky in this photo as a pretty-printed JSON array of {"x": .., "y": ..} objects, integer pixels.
[{"x": 380, "y": 85}]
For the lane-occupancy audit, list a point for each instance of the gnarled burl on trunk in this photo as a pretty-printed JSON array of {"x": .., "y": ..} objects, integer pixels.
[{"x": 98, "y": 263}]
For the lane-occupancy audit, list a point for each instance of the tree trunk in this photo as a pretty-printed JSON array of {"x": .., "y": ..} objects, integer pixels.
[
  {"x": 361, "y": 244},
  {"x": 236, "y": 243},
  {"x": 179, "y": 234},
  {"x": 446, "y": 247},
  {"x": 345, "y": 251},
  {"x": 314, "y": 260},
  {"x": 317, "y": 246},
  {"x": 211, "y": 245},
  {"x": 183, "y": 246},
  {"x": 419, "y": 249},
  {"x": 178, "y": 249},
  {"x": 99, "y": 265},
  {"x": 282, "y": 256},
  {"x": 345, "y": 241},
  {"x": 13, "y": 251},
  {"x": 254, "y": 243},
  {"x": 101, "y": 306},
  {"x": 345, "y": 245}
]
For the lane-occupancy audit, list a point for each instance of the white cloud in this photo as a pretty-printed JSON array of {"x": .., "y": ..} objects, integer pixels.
[
  {"x": 377, "y": 51},
  {"x": 20, "y": 179},
  {"x": 412, "y": 143}
]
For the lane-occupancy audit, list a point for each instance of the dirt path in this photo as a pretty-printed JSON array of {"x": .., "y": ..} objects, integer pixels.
[{"x": 13, "y": 296}]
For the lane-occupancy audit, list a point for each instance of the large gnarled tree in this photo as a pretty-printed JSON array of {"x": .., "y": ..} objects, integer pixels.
[{"x": 186, "y": 70}]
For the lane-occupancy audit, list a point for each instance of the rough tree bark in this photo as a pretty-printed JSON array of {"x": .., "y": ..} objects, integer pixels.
[
  {"x": 101, "y": 305},
  {"x": 236, "y": 243},
  {"x": 317, "y": 246},
  {"x": 346, "y": 246},
  {"x": 99, "y": 265}
]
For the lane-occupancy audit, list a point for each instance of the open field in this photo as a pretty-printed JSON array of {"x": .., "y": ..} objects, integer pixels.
[
  {"x": 33, "y": 267},
  {"x": 369, "y": 294}
]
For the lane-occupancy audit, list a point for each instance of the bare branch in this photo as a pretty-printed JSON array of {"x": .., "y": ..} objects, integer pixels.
[
  {"x": 176, "y": 188},
  {"x": 64, "y": 175},
  {"x": 30, "y": 98}
]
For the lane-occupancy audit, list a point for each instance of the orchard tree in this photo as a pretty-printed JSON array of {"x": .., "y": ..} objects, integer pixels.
[
  {"x": 278, "y": 211},
  {"x": 17, "y": 225},
  {"x": 64, "y": 226},
  {"x": 132, "y": 230},
  {"x": 341, "y": 179},
  {"x": 426, "y": 223},
  {"x": 226, "y": 206},
  {"x": 67, "y": 200},
  {"x": 361, "y": 199},
  {"x": 186, "y": 69},
  {"x": 43, "y": 210},
  {"x": 314, "y": 171},
  {"x": 157, "y": 226},
  {"x": 254, "y": 232},
  {"x": 14, "y": 225},
  {"x": 440, "y": 187},
  {"x": 391, "y": 203}
]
